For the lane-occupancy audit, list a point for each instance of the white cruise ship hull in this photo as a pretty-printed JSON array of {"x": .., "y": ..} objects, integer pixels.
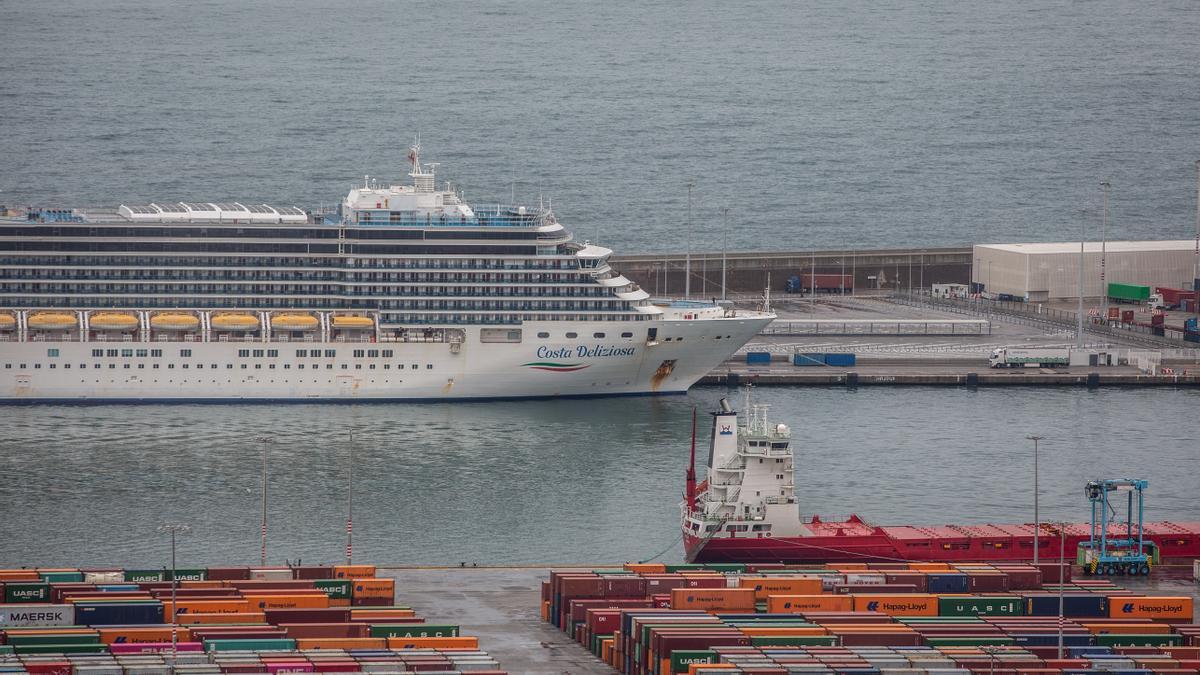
[{"x": 682, "y": 353}]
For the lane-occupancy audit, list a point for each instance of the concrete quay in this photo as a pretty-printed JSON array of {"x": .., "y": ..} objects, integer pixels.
[{"x": 969, "y": 373}]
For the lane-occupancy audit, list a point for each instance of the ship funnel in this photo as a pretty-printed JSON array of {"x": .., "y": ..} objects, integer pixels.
[{"x": 725, "y": 406}]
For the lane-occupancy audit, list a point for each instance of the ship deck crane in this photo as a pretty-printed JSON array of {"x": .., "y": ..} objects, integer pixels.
[{"x": 1121, "y": 553}]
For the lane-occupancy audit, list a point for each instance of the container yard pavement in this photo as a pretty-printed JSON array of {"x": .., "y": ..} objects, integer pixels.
[{"x": 500, "y": 606}]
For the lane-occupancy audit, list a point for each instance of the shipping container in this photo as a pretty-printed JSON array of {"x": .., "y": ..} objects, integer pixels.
[
  {"x": 840, "y": 360},
  {"x": 1128, "y": 292},
  {"x": 798, "y": 604},
  {"x": 980, "y": 605},
  {"x": 897, "y": 605},
  {"x": 946, "y": 582},
  {"x": 762, "y": 358},
  {"x": 775, "y": 585},
  {"x": 1180, "y": 607},
  {"x": 124, "y": 613},
  {"x": 414, "y": 630},
  {"x": 720, "y": 599},
  {"x": 811, "y": 359},
  {"x": 36, "y": 615},
  {"x": 21, "y": 591},
  {"x": 353, "y": 571}
]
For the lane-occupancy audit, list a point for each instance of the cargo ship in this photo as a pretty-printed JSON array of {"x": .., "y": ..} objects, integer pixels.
[
  {"x": 745, "y": 511},
  {"x": 401, "y": 292}
]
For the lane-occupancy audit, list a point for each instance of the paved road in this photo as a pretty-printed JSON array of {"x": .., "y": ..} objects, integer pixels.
[{"x": 501, "y": 608}]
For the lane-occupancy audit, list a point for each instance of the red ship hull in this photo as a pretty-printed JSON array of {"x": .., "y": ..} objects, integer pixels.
[{"x": 857, "y": 541}]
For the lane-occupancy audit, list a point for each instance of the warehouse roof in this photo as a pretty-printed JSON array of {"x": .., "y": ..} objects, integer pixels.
[{"x": 1094, "y": 246}]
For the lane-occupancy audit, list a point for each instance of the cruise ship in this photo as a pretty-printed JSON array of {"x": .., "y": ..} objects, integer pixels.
[{"x": 401, "y": 292}]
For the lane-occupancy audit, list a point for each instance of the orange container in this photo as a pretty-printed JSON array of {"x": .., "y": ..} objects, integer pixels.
[
  {"x": 849, "y": 567},
  {"x": 1179, "y": 607},
  {"x": 353, "y": 571},
  {"x": 433, "y": 643},
  {"x": 896, "y": 605},
  {"x": 646, "y": 568},
  {"x": 210, "y": 619},
  {"x": 63, "y": 630},
  {"x": 723, "y": 599},
  {"x": 19, "y": 575},
  {"x": 928, "y": 566},
  {"x": 768, "y": 586},
  {"x": 545, "y": 610},
  {"x": 188, "y": 607},
  {"x": 373, "y": 588},
  {"x": 795, "y": 604},
  {"x": 341, "y": 643},
  {"x": 316, "y": 600},
  {"x": 109, "y": 636}
]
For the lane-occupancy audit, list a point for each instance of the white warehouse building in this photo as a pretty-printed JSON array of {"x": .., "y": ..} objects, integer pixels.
[{"x": 1050, "y": 271}]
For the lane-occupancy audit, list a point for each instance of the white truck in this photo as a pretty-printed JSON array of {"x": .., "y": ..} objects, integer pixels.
[{"x": 1045, "y": 357}]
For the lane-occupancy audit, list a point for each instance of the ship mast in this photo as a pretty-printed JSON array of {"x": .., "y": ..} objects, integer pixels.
[{"x": 691, "y": 470}]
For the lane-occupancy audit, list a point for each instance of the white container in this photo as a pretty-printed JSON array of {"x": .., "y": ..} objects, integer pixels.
[
  {"x": 106, "y": 577},
  {"x": 272, "y": 574},
  {"x": 36, "y": 615},
  {"x": 863, "y": 579}
]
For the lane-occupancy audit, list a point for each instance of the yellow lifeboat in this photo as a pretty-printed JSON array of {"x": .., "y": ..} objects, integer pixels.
[
  {"x": 235, "y": 321},
  {"x": 7, "y": 322},
  {"x": 113, "y": 321},
  {"x": 174, "y": 321},
  {"x": 353, "y": 322},
  {"x": 52, "y": 321},
  {"x": 294, "y": 321}
]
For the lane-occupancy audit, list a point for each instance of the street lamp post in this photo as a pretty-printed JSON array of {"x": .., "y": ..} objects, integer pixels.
[
  {"x": 725, "y": 246},
  {"x": 687, "y": 268},
  {"x": 1079, "y": 311},
  {"x": 174, "y": 529},
  {"x": 1062, "y": 557},
  {"x": 265, "y": 442},
  {"x": 350, "y": 505},
  {"x": 1104, "y": 185},
  {"x": 1037, "y": 523}
]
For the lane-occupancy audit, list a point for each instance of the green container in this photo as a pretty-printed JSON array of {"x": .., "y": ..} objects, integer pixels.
[
  {"x": 6, "y": 650},
  {"x": 186, "y": 575},
  {"x": 682, "y": 658},
  {"x": 263, "y": 645},
  {"x": 1129, "y": 640},
  {"x": 970, "y": 641},
  {"x": 61, "y": 648},
  {"x": 1130, "y": 292},
  {"x": 612, "y": 572},
  {"x": 61, "y": 577},
  {"x": 336, "y": 589},
  {"x": 412, "y": 630},
  {"x": 794, "y": 640},
  {"x": 19, "y": 640},
  {"x": 988, "y": 605},
  {"x": 145, "y": 576},
  {"x": 26, "y": 591},
  {"x": 725, "y": 567}
]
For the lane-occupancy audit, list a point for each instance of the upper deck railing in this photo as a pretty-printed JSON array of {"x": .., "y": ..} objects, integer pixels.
[{"x": 488, "y": 216}]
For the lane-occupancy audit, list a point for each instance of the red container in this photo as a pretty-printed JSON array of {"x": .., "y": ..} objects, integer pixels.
[
  {"x": 253, "y": 585},
  {"x": 313, "y": 572},
  {"x": 987, "y": 583},
  {"x": 843, "y": 589},
  {"x": 327, "y": 630},
  {"x": 55, "y": 667},
  {"x": 57, "y": 591},
  {"x": 228, "y": 573},
  {"x": 915, "y": 579},
  {"x": 882, "y": 639},
  {"x": 626, "y": 586},
  {"x": 330, "y": 615}
]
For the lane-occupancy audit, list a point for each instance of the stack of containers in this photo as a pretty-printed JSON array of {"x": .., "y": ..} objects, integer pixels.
[
  {"x": 222, "y": 619},
  {"x": 686, "y": 616}
]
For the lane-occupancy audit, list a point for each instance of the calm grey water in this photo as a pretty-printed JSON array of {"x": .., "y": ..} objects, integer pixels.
[
  {"x": 552, "y": 481},
  {"x": 820, "y": 123}
]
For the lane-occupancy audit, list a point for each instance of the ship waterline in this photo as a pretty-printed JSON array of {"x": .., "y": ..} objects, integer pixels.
[{"x": 402, "y": 292}]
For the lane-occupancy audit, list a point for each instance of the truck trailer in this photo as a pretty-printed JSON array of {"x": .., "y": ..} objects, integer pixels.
[
  {"x": 823, "y": 283},
  {"x": 1046, "y": 357}
]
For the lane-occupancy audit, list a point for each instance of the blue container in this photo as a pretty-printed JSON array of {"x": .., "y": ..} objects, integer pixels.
[
  {"x": 116, "y": 588},
  {"x": 1075, "y": 605},
  {"x": 1051, "y": 639},
  {"x": 758, "y": 357},
  {"x": 118, "y": 613},
  {"x": 947, "y": 582},
  {"x": 839, "y": 360},
  {"x": 808, "y": 359}
]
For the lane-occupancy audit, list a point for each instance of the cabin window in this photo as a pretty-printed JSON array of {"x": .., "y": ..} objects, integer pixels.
[
  {"x": 185, "y": 352},
  {"x": 627, "y": 334},
  {"x": 598, "y": 336},
  {"x": 51, "y": 352},
  {"x": 272, "y": 353},
  {"x": 301, "y": 353},
  {"x": 543, "y": 335},
  {"x": 572, "y": 336}
]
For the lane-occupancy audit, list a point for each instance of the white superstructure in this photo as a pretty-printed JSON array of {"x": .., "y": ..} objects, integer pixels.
[{"x": 402, "y": 292}]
